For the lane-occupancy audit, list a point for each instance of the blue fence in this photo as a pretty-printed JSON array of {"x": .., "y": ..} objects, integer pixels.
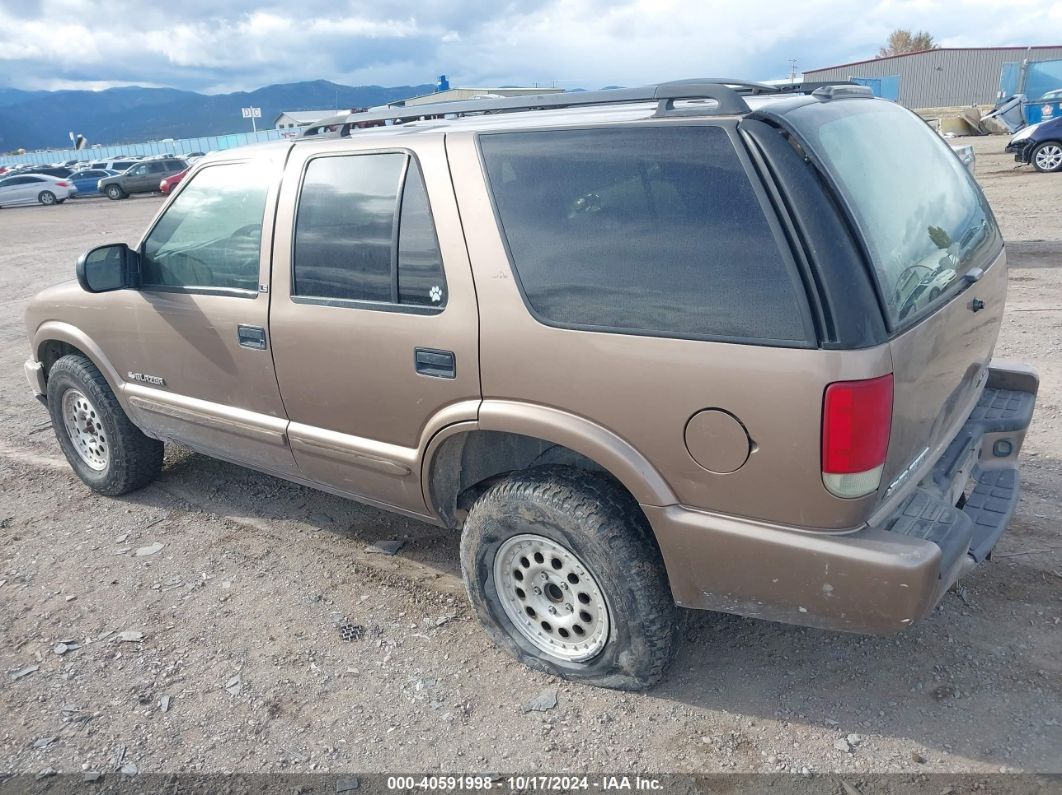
[{"x": 180, "y": 146}]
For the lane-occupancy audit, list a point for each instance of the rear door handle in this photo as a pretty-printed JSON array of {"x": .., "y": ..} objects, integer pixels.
[
  {"x": 253, "y": 337},
  {"x": 437, "y": 364}
]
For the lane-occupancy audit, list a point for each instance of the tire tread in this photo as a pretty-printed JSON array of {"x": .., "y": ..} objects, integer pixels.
[{"x": 601, "y": 508}]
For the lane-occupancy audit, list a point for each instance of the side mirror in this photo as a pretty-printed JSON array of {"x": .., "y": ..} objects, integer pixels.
[{"x": 106, "y": 268}]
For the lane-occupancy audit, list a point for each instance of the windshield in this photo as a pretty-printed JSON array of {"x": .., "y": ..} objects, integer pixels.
[{"x": 923, "y": 218}]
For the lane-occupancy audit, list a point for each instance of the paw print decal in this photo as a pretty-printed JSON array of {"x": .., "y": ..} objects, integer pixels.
[{"x": 435, "y": 294}]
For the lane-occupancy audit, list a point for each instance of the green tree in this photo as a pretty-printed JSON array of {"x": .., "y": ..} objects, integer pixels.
[{"x": 902, "y": 41}]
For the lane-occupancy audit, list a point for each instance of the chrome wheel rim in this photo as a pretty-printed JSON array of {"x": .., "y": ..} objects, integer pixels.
[
  {"x": 85, "y": 429},
  {"x": 47, "y": 198},
  {"x": 1049, "y": 157},
  {"x": 551, "y": 597}
]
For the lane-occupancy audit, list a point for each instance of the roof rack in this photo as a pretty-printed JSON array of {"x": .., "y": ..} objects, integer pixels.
[
  {"x": 725, "y": 92},
  {"x": 811, "y": 86}
]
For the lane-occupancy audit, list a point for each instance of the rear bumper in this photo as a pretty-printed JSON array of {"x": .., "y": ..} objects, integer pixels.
[{"x": 878, "y": 579}]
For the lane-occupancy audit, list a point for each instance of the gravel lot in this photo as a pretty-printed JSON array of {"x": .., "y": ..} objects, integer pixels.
[{"x": 236, "y": 661}]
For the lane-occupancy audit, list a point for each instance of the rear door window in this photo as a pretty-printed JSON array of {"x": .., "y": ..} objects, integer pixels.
[
  {"x": 364, "y": 234},
  {"x": 643, "y": 230},
  {"x": 921, "y": 215}
]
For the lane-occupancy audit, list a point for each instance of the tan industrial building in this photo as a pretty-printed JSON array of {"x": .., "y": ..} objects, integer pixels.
[{"x": 939, "y": 78}]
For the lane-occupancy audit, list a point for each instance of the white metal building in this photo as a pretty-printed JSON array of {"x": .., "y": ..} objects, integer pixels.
[{"x": 293, "y": 119}]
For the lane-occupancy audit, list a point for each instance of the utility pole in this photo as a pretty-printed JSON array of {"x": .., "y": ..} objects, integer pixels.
[{"x": 792, "y": 70}]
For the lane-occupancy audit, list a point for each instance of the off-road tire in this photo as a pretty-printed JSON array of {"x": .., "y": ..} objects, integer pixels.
[
  {"x": 114, "y": 192},
  {"x": 606, "y": 530},
  {"x": 46, "y": 197},
  {"x": 134, "y": 460},
  {"x": 1049, "y": 146}
]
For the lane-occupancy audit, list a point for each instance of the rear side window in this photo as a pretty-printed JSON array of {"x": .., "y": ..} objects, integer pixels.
[
  {"x": 364, "y": 233},
  {"x": 643, "y": 230},
  {"x": 920, "y": 213}
]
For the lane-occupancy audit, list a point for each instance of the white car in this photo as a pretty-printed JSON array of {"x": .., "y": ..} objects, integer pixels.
[{"x": 35, "y": 189}]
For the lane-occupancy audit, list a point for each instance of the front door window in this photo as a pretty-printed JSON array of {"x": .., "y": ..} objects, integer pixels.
[{"x": 210, "y": 237}]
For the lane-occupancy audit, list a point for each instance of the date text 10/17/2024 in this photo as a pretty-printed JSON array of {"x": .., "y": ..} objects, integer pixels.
[{"x": 525, "y": 783}]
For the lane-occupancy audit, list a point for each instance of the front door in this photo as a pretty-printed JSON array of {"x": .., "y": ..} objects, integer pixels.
[
  {"x": 19, "y": 190},
  {"x": 374, "y": 319},
  {"x": 201, "y": 373},
  {"x": 136, "y": 178}
]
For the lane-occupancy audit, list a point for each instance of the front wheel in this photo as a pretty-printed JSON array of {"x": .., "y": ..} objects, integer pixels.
[
  {"x": 1047, "y": 157},
  {"x": 561, "y": 568},
  {"x": 114, "y": 192},
  {"x": 46, "y": 197},
  {"x": 110, "y": 454}
]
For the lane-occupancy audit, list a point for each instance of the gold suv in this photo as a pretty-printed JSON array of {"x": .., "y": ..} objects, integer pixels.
[{"x": 707, "y": 343}]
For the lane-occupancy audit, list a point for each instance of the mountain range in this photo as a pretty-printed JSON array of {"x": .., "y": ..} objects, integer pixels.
[{"x": 44, "y": 119}]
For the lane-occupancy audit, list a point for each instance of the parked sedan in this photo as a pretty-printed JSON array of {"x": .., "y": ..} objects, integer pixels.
[
  {"x": 35, "y": 189},
  {"x": 1039, "y": 144},
  {"x": 142, "y": 178},
  {"x": 87, "y": 181},
  {"x": 172, "y": 181}
]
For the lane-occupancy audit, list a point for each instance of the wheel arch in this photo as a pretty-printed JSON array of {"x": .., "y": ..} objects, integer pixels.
[
  {"x": 53, "y": 340},
  {"x": 463, "y": 459}
]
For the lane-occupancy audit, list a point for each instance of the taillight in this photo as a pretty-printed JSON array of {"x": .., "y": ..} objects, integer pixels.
[
  {"x": 856, "y": 423},
  {"x": 63, "y": 183}
]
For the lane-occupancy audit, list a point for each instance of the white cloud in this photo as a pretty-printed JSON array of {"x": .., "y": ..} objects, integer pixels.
[{"x": 205, "y": 45}]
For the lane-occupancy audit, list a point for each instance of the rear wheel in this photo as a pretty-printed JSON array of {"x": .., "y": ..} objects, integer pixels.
[
  {"x": 110, "y": 454},
  {"x": 114, "y": 192},
  {"x": 562, "y": 571},
  {"x": 46, "y": 197},
  {"x": 1047, "y": 156}
]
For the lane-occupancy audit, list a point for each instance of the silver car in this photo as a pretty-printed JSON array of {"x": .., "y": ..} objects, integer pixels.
[{"x": 35, "y": 189}]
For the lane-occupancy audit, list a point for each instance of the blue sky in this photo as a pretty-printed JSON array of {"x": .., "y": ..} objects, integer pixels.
[{"x": 217, "y": 46}]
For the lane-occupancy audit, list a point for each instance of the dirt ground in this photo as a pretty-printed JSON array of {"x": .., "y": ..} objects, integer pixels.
[{"x": 241, "y": 665}]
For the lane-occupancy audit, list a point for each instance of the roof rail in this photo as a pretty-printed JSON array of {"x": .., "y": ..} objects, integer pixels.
[{"x": 725, "y": 92}]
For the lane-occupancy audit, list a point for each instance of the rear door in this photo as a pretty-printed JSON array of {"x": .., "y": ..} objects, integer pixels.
[
  {"x": 373, "y": 320},
  {"x": 27, "y": 189},
  {"x": 936, "y": 253}
]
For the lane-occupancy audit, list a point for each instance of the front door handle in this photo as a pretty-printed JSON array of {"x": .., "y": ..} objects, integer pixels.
[
  {"x": 434, "y": 363},
  {"x": 253, "y": 337}
]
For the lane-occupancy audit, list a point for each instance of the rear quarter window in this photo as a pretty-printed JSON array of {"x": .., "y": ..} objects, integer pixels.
[
  {"x": 642, "y": 230},
  {"x": 922, "y": 217}
]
